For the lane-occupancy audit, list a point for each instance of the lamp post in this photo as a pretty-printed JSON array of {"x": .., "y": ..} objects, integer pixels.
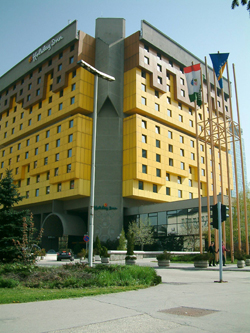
[{"x": 109, "y": 78}]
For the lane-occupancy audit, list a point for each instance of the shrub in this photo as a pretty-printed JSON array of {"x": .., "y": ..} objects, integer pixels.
[
  {"x": 203, "y": 256},
  {"x": 8, "y": 283},
  {"x": 81, "y": 254},
  {"x": 164, "y": 256},
  {"x": 239, "y": 255},
  {"x": 104, "y": 252}
]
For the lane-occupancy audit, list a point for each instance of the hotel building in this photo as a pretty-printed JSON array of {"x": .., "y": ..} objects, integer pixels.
[{"x": 146, "y": 153}]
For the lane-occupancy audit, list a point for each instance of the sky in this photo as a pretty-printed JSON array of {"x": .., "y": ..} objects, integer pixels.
[{"x": 200, "y": 26}]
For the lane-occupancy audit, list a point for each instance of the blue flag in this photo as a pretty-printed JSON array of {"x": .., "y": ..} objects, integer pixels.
[{"x": 219, "y": 61}]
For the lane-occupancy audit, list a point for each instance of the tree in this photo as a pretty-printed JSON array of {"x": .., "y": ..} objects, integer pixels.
[
  {"x": 97, "y": 246},
  {"x": 143, "y": 233},
  {"x": 243, "y": 2},
  {"x": 11, "y": 221},
  {"x": 122, "y": 241}
]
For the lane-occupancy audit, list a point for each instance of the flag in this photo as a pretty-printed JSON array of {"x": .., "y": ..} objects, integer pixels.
[
  {"x": 219, "y": 61},
  {"x": 193, "y": 77}
]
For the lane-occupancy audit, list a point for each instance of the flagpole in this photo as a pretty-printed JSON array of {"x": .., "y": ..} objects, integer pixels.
[
  {"x": 242, "y": 163},
  {"x": 235, "y": 165},
  {"x": 220, "y": 158},
  {"x": 212, "y": 147},
  {"x": 206, "y": 162}
]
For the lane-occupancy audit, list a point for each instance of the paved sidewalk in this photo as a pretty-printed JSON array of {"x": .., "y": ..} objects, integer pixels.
[{"x": 187, "y": 300}]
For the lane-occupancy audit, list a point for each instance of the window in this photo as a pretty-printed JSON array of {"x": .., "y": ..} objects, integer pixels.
[
  {"x": 35, "y": 164},
  {"x": 182, "y": 81},
  {"x": 156, "y": 93},
  {"x": 146, "y": 48},
  {"x": 143, "y": 124},
  {"x": 143, "y": 74},
  {"x": 59, "y": 187},
  {"x": 36, "y": 151},
  {"x": 182, "y": 93},
  {"x": 71, "y": 60},
  {"x": 158, "y": 55},
  {"x": 22, "y": 114},
  {"x": 26, "y": 155},
  {"x": 58, "y": 143},
  {"x": 159, "y": 68},
  {"x": 37, "y": 192},
  {"x": 57, "y": 157},
  {"x": 68, "y": 168},
  {"x": 192, "y": 143},
  {"x": 179, "y": 193},
  {"x": 170, "y": 148},
  {"x": 47, "y": 133},
  {"x": 37, "y": 138},
  {"x": 190, "y": 170},
  {"x": 48, "y": 175},
  {"x": 28, "y": 142},
  {"x": 180, "y": 118},
  {"x": 47, "y": 189},
  {"x": 157, "y": 107},
  {"x": 72, "y": 47},
  {"x": 71, "y": 123},
  {"x": 73, "y": 74},
  {"x": 28, "y": 98},
  {"x": 59, "y": 67},
  {"x": 169, "y": 113},
  {"x": 56, "y": 172},
  {"x": 171, "y": 63},
  {"x": 11, "y": 150},
  {"x": 167, "y": 177},
  {"x": 143, "y": 87},
  {"x": 191, "y": 123},
  {"x": 179, "y": 181},
  {"x": 158, "y": 173},
  {"x": 61, "y": 93},
  {"x": 58, "y": 80},
  {"x": 169, "y": 101},
  {"x": 190, "y": 195},
  {"x": 157, "y": 129},
  {"x": 59, "y": 129},
  {"x": 203, "y": 172},
  {"x": 182, "y": 152},
  {"x": 182, "y": 166},
  {"x": 167, "y": 190},
  {"x": 144, "y": 138},
  {"x": 21, "y": 92},
  {"x": 46, "y": 146},
  {"x": 144, "y": 168},
  {"x": 171, "y": 162},
  {"x": 60, "y": 106},
  {"x": 39, "y": 117},
  {"x": 2, "y": 164},
  {"x": 45, "y": 160},
  {"x": 146, "y": 60},
  {"x": 158, "y": 158},
  {"x": 170, "y": 135},
  {"x": 27, "y": 194},
  {"x": 190, "y": 183},
  {"x": 144, "y": 153},
  {"x": 69, "y": 152},
  {"x": 18, "y": 158},
  {"x": 49, "y": 112},
  {"x": 143, "y": 101},
  {"x": 140, "y": 185},
  {"x": 73, "y": 87},
  {"x": 72, "y": 100},
  {"x": 154, "y": 188},
  {"x": 202, "y": 160},
  {"x": 181, "y": 139},
  {"x": 72, "y": 184},
  {"x": 159, "y": 80},
  {"x": 202, "y": 147},
  {"x": 60, "y": 55},
  {"x": 70, "y": 139},
  {"x": 29, "y": 122},
  {"x": 38, "y": 92},
  {"x": 50, "y": 62},
  {"x": 38, "y": 178},
  {"x": 180, "y": 106},
  {"x": 192, "y": 156},
  {"x": 50, "y": 99},
  {"x": 168, "y": 88},
  {"x": 200, "y": 116},
  {"x": 39, "y": 80},
  {"x": 28, "y": 181},
  {"x": 12, "y": 130},
  {"x": 157, "y": 143}
]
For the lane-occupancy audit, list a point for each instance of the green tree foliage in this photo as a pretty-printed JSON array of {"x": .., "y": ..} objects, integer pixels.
[
  {"x": 97, "y": 246},
  {"x": 28, "y": 248},
  {"x": 236, "y": 3},
  {"x": 143, "y": 233},
  {"x": 131, "y": 243},
  {"x": 122, "y": 241},
  {"x": 11, "y": 221}
]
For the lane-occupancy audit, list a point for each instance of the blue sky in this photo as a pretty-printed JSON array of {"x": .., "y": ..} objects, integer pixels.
[{"x": 201, "y": 26}]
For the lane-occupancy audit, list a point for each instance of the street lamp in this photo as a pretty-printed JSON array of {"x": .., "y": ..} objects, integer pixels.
[{"x": 109, "y": 78}]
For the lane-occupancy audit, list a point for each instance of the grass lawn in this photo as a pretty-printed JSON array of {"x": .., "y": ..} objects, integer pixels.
[{"x": 26, "y": 283}]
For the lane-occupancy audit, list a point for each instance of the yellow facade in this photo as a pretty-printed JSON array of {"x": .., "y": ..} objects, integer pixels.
[
  {"x": 159, "y": 142},
  {"x": 48, "y": 145}
]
